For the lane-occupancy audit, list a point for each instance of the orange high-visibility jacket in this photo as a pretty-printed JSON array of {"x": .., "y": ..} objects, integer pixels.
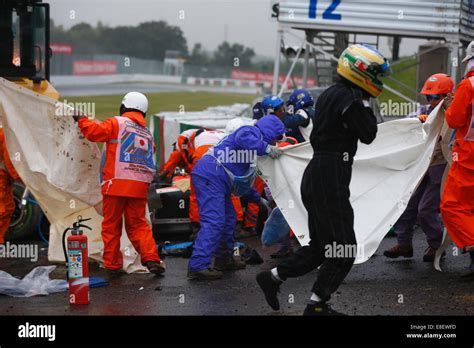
[
  {"x": 106, "y": 132},
  {"x": 183, "y": 152},
  {"x": 457, "y": 204},
  {"x": 5, "y": 158}
]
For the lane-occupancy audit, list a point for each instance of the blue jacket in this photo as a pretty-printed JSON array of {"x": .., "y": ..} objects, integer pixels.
[{"x": 238, "y": 149}]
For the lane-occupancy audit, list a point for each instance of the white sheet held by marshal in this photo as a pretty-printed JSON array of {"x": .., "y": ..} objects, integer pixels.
[{"x": 385, "y": 174}]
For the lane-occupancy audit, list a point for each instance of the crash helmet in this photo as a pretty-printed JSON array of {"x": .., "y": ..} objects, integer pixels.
[
  {"x": 135, "y": 101},
  {"x": 438, "y": 84},
  {"x": 271, "y": 103},
  {"x": 300, "y": 98},
  {"x": 363, "y": 65}
]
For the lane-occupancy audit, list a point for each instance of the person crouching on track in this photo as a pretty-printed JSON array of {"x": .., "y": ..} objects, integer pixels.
[
  {"x": 127, "y": 168},
  {"x": 228, "y": 168},
  {"x": 202, "y": 142}
]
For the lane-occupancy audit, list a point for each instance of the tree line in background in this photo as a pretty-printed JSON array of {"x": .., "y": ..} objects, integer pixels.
[{"x": 151, "y": 40}]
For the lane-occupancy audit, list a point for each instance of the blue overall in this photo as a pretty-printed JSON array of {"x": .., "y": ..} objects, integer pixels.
[{"x": 214, "y": 188}]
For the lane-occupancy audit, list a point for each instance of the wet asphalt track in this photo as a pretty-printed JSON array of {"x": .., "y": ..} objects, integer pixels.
[{"x": 373, "y": 288}]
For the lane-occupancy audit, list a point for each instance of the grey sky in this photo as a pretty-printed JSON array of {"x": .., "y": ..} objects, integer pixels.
[{"x": 247, "y": 21}]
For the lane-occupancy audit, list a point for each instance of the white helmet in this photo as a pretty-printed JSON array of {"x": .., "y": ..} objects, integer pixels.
[
  {"x": 469, "y": 52},
  {"x": 233, "y": 124},
  {"x": 135, "y": 100}
]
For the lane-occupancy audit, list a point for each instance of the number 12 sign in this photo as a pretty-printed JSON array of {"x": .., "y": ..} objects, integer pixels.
[{"x": 328, "y": 13}]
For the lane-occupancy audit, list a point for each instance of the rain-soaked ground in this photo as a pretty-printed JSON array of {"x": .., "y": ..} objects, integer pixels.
[{"x": 377, "y": 287}]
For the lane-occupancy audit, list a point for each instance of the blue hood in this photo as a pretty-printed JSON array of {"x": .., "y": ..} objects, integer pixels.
[{"x": 271, "y": 127}]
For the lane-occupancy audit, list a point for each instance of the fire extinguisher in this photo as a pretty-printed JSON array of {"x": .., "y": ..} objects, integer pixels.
[{"x": 77, "y": 262}]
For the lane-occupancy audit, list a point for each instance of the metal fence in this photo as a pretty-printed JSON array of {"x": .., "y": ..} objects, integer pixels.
[{"x": 63, "y": 64}]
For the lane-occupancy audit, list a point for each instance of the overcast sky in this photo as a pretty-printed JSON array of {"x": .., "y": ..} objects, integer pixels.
[{"x": 206, "y": 21}]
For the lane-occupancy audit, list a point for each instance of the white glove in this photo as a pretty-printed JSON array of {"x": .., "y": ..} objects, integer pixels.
[{"x": 273, "y": 151}]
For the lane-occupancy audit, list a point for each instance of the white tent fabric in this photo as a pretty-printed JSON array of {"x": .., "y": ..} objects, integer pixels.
[
  {"x": 59, "y": 167},
  {"x": 385, "y": 174},
  {"x": 215, "y": 117}
]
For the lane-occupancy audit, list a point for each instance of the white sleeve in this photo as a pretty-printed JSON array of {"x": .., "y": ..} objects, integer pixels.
[{"x": 303, "y": 113}]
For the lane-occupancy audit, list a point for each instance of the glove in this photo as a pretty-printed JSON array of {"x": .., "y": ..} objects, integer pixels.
[
  {"x": 160, "y": 177},
  {"x": 423, "y": 118},
  {"x": 447, "y": 101},
  {"x": 78, "y": 117},
  {"x": 273, "y": 151}
]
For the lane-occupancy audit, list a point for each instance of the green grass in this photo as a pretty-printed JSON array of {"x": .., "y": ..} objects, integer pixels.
[
  {"x": 404, "y": 72},
  {"x": 108, "y": 106}
]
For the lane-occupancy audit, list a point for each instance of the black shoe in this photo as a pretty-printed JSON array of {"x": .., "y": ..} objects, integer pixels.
[
  {"x": 252, "y": 257},
  {"x": 229, "y": 264},
  {"x": 115, "y": 273},
  {"x": 270, "y": 288},
  {"x": 155, "y": 267},
  {"x": 321, "y": 309},
  {"x": 282, "y": 253},
  {"x": 398, "y": 251},
  {"x": 207, "y": 274}
]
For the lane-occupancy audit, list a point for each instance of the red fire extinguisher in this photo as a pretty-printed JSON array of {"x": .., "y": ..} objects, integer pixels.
[{"x": 77, "y": 263}]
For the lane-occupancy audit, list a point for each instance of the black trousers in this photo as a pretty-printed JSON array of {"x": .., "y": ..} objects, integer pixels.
[{"x": 325, "y": 194}]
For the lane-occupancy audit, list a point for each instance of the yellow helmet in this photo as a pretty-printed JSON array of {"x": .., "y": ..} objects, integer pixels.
[{"x": 362, "y": 65}]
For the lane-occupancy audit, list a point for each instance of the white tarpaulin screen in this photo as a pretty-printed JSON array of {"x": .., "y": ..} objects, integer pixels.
[
  {"x": 385, "y": 174},
  {"x": 58, "y": 166}
]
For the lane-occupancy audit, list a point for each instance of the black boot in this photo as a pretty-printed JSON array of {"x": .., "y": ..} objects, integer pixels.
[
  {"x": 229, "y": 263},
  {"x": 155, "y": 267},
  {"x": 320, "y": 309},
  {"x": 114, "y": 273},
  {"x": 206, "y": 274},
  {"x": 270, "y": 287}
]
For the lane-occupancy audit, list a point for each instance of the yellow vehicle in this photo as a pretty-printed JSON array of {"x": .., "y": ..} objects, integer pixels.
[{"x": 25, "y": 60}]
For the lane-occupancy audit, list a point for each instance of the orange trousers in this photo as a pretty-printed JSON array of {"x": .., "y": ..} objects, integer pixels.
[
  {"x": 251, "y": 214},
  {"x": 7, "y": 204},
  {"x": 457, "y": 206},
  {"x": 136, "y": 225},
  {"x": 194, "y": 210}
]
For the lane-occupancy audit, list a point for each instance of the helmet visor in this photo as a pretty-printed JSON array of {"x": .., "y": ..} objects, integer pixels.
[{"x": 431, "y": 97}]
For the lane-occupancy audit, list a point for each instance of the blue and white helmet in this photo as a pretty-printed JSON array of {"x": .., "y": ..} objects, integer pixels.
[
  {"x": 271, "y": 103},
  {"x": 300, "y": 98}
]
